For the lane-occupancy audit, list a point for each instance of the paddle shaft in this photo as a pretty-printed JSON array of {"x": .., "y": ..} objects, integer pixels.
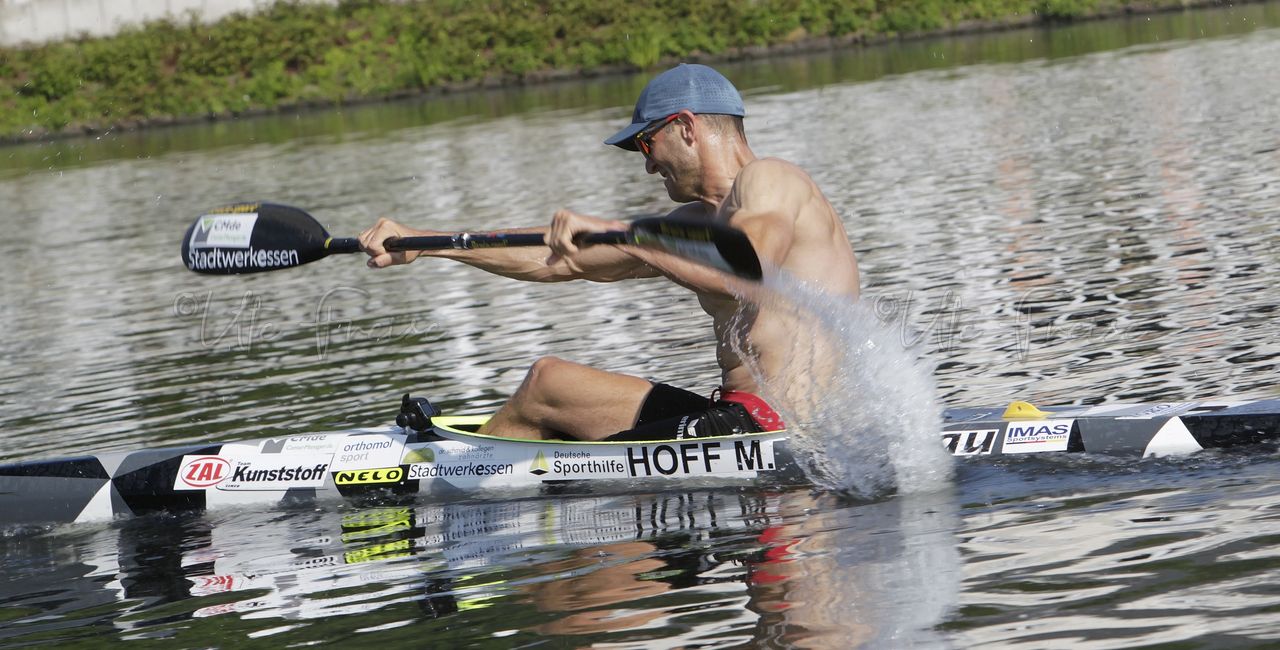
[
  {"x": 467, "y": 241},
  {"x": 257, "y": 237}
]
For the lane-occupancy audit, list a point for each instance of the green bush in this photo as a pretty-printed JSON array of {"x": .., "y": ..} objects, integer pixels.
[{"x": 293, "y": 52}]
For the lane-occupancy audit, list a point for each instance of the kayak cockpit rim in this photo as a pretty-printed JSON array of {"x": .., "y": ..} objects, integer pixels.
[{"x": 449, "y": 425}]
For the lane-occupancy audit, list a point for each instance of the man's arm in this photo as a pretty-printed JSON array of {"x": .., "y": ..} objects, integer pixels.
[
  {"x": 770, "y": 234},
  {"x": 764, "y": 203},
  {"x": 600, "y": 263}
]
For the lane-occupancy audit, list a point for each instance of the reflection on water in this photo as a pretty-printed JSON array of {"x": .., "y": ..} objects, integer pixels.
[
  {"x": 1179, "y": 552},
  {"x": 694, "y": 568},
  {"x": 1037, "y": 551},
  {"x": 1086, "y": 224}
]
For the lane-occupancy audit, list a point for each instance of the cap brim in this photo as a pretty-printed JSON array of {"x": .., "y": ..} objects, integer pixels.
[{"x": 626, "y": 138}]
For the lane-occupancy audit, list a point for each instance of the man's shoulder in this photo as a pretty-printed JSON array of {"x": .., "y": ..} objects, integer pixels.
[
  {"x": 771, "y": 184},
  {"x": 772, "y": 169}
]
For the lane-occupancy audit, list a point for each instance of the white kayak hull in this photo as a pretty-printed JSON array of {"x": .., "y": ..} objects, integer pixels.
[
  {"x": 373, "y": 463},
  {"x": 449, "y": 459}
]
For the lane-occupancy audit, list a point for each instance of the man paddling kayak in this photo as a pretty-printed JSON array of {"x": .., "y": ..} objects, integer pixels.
[{"x": 687, "y": 124}]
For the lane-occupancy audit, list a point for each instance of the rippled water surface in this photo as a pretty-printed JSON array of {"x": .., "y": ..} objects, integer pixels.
[{"x": 1084, "y": 214}]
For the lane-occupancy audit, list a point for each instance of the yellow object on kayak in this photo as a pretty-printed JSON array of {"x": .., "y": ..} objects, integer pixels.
[{"x": 1019, "y": 410}]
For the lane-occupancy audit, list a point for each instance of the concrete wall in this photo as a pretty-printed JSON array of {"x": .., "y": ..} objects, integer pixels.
[{"x": 37, "y": 21}]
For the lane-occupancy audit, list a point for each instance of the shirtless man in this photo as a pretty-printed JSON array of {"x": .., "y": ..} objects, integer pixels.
[{"x": 688, "y": 126}]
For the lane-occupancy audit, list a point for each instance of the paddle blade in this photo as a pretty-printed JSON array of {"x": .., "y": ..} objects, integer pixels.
[
  {"x": 252, "y": 238},
  {"x": 712, "y": 244}
]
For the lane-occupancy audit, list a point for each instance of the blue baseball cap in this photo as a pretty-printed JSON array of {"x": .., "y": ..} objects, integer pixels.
[{"x": 688, "y": 86}]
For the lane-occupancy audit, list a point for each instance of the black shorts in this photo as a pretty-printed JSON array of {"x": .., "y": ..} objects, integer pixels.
[{"x": 670, "y": 413}]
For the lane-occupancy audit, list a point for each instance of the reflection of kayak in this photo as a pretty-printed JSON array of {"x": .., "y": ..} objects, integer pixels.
[
  {"x": 430, "y": 453},
  {"x": 446, "y": 557},
  {"x": 456, "y": 546}
]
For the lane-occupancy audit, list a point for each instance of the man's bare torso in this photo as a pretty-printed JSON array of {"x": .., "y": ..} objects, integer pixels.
[{"x": 819, "y": 255}]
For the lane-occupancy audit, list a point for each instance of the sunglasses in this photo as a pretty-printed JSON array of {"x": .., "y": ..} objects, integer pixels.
[{"x": 644, "y": 139}]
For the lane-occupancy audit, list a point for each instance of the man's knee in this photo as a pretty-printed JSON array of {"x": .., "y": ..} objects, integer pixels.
[
  {"x": 547, "y": 377},
  {"x": 537, "y": 396},
  {"x": 544, "y": 370}
]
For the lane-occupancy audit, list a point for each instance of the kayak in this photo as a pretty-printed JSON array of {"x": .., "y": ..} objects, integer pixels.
[{"x": 427, "y": 453}]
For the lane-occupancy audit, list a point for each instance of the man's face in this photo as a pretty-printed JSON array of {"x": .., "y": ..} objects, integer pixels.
[{"x": 667, "y": 153}]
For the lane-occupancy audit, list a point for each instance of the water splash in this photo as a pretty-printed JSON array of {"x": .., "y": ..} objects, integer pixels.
[{"x": 863, "y": 408}]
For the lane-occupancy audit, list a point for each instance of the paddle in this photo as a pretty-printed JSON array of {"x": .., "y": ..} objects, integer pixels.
[{"x": 258, "y": 237}]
